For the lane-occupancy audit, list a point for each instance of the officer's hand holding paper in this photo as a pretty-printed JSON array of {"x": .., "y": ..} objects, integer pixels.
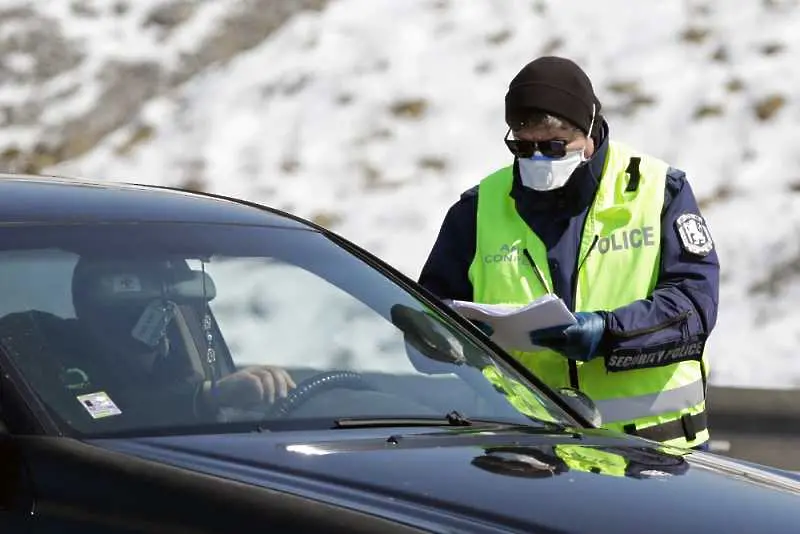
[
  {"x": 512, "y": 325},
  {"x": 579, "y": 341}
]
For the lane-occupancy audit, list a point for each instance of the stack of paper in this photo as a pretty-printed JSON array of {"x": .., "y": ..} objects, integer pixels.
[{"x": 512, "y": 323}]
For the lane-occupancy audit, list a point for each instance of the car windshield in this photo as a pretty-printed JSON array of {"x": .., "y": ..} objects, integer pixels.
[{"x": 140, "y": 329}]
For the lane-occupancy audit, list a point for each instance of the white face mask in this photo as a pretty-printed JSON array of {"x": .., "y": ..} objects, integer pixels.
[{"x": 545, "y": 174}]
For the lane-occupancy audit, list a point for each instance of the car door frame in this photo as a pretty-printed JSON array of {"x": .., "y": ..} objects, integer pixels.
[{"x": 17, "y": 418}]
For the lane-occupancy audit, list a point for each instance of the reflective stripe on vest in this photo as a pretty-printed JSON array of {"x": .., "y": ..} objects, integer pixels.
[
  {"x": 618, "y": 263},
  {"x": 672, "y": 400}
]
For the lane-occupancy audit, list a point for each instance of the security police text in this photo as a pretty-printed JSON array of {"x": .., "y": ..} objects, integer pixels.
[{"x": 625, "y": 360}]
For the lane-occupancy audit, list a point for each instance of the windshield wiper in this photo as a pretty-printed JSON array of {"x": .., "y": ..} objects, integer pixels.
[{"x": 453, "y": 418}]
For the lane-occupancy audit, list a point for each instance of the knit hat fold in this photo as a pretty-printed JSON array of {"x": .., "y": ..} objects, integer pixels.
[{"x": 554, "y": 85}]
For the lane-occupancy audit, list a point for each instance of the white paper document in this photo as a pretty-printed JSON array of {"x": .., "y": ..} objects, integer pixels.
[{"x": 512, "y": 324}]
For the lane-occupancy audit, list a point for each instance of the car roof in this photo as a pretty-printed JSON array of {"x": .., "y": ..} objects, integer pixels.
[{"x": 53, "y": 199}]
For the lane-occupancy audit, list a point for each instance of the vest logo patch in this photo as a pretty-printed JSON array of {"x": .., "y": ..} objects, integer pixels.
[
  {"x": 694, "y": 234},
  {"x": 627, "y": 239},
  {"x": 506, "y": 253}
]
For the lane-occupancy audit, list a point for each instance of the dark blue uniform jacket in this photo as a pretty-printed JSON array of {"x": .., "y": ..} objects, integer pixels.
[{"x": 682, "y": 309}]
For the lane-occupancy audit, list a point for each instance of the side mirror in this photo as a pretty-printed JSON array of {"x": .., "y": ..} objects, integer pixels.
[
  {"x": 581, "y": 403},
  {"x": 429, "y": 348}
]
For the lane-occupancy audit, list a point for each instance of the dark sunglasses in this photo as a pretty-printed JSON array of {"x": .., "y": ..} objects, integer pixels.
[{"x": 553, "y": 148}]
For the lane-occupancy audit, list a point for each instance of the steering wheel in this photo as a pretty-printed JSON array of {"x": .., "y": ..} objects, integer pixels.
[{"x": 314, "y": 385}]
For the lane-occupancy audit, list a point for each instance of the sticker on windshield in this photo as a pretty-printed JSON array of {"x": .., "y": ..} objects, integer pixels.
[
  {"x": 99, "y": 405},
  {"x": 126, "y": 284}
]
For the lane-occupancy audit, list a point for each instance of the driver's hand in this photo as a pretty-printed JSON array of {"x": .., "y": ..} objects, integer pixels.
[{"x": 253, "y": 385}]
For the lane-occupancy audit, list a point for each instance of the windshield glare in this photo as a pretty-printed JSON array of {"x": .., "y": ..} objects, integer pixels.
[{"x": 138, "y": 329}]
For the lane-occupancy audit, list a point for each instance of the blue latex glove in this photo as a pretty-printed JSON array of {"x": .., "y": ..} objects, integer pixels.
[{"x": 578, "y": 341}]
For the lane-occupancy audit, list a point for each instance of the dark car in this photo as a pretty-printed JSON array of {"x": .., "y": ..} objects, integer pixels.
[{"x": 183, "y": 362}]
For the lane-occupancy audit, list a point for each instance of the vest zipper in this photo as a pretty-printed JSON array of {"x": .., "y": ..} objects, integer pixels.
[
  {"x": 573, "y": 365},
  {"x": 573, "y": 374},
  {"x": 591, "y": 248},
  {"x": 537, "y": 271}
]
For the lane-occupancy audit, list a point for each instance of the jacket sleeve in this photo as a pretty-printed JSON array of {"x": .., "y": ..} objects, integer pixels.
[
  {"x": 446, "y": 271},
  {"x": 675, "y": 321}
]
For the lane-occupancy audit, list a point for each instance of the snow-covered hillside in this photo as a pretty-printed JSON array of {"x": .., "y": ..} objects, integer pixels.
[{"x": 371, "y": 116}]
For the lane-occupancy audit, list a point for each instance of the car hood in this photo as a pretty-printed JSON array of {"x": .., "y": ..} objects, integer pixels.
[{"x": 587, "y": 482}]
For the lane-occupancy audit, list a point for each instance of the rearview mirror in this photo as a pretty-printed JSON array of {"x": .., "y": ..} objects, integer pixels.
[
  {"x": 197, "y": 286},
  {"x": 583, "y": 404},
  {"x": 131, "y": 287}
]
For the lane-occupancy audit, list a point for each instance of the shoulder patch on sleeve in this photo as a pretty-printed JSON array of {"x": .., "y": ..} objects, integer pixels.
[{"x": 694, "y": 234}]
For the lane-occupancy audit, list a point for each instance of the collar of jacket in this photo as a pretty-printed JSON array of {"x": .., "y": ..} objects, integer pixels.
[{"x": 577, "y": 193}]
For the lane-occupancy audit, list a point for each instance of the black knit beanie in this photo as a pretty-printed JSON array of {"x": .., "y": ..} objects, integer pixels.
[{"x": 554, "y": 85}]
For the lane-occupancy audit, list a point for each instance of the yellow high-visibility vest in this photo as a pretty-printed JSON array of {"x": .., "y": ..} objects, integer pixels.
[{"x": 618, "y": 263}]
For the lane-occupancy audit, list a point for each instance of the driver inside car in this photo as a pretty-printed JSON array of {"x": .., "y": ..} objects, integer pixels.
[{"x": 150, "y": 353}]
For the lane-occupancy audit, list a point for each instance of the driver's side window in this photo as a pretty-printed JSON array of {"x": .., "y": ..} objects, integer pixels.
[
  {"x": 37, "y": 280},
  {"x": 33, "y": 283}
]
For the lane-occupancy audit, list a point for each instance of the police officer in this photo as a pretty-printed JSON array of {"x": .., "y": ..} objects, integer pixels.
[{"x": 614, "y": 232}]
